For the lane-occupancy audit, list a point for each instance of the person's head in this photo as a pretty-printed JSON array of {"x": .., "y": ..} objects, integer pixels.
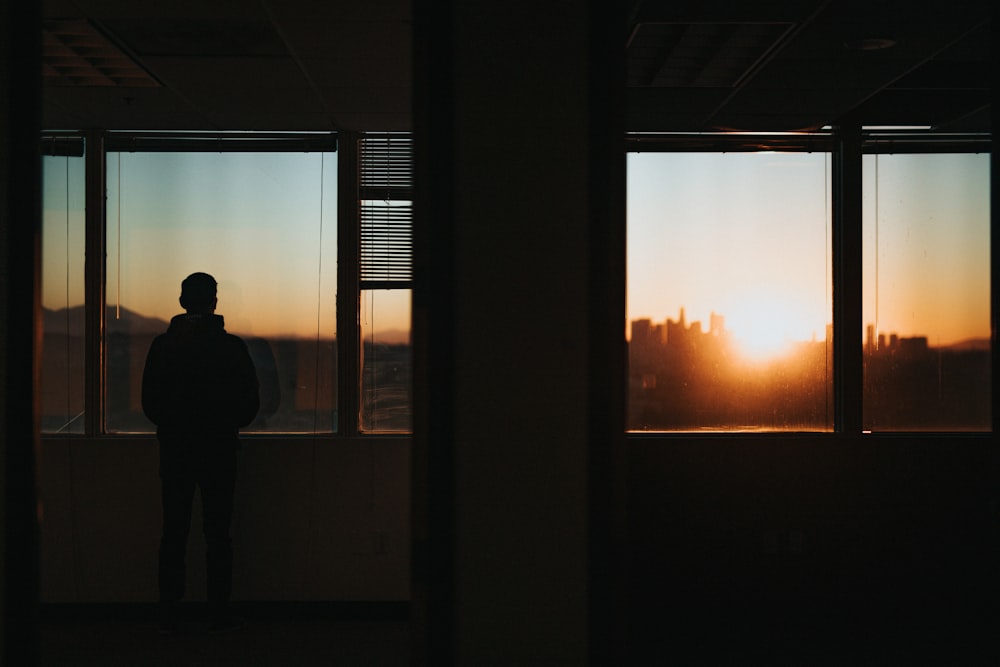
[{"x": 198, "y": 293}]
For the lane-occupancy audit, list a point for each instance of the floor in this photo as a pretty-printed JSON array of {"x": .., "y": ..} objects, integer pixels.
[
  {"x": 811, "y": 638},
  {"x": 298, "y": 635},
  {"x": 286, "y": 636}
]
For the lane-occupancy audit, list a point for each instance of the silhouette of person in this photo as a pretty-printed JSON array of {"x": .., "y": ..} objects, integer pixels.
[{"x": 199, "y": 386}]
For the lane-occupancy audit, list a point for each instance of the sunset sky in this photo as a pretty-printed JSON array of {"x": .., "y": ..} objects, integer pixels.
[
  {"x": 930, "y": 218},
  {"x": 265, "y": 225},
  {"x": 744, "y": 235}
]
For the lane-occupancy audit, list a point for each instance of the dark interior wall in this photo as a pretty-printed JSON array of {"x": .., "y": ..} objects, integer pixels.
[
  {"x": 20, "y": 221},
  {"x": 734, "y": 538},
  {"x": 314, "y": 520}
]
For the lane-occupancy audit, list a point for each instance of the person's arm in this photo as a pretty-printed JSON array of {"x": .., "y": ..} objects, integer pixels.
[
  {"x": 152, "y": 384},
  {"x": 246, "y": 388}
]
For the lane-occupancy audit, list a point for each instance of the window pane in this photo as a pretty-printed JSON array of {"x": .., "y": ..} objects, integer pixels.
[
  {"x": 729, "y": 292},
  {"x": 63, "y": 227},
  {"x": 386, "y": 362},
  {"x": 264, "y": 224},
  {"x": 927, "y": 293}
]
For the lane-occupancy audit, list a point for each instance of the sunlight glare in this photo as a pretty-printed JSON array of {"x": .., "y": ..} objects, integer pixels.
[
  {"x": 765, "y": 329},
  {"x": 761, "y": 340}
]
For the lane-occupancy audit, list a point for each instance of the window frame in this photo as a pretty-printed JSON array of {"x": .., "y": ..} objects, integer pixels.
[
  {"x": 94, "y": 146},
  {"x": 385, "y": 174},
  {"x": 847, "y": 146}
]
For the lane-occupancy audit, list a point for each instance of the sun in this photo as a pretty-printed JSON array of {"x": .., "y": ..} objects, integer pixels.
[
  {"x": 762, "y": 336},
  {"x": 767, "y": 325},
  {"x": 760, "y": 342}
]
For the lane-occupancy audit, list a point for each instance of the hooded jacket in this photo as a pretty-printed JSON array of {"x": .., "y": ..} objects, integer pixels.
[{"x": 199, "y": 381}]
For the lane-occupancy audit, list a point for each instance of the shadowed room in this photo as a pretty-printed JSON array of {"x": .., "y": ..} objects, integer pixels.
[{"x": 602, "y": 333}]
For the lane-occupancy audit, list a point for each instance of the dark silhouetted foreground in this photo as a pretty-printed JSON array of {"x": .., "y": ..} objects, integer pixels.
[{"x": 199, "y": 387}]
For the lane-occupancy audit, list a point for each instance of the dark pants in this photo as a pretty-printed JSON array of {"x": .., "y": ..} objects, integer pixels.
[{"x": 213, "y": 470}]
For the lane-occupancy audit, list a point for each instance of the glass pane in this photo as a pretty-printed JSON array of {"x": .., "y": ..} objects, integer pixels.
[
  {"x": 264, "y": 225},
  {"x": 63, "y": 228},
  {"x": 386, "y": 362},
  {"x": 729, "y": 292},
  {"x": 927, "y": 337}
]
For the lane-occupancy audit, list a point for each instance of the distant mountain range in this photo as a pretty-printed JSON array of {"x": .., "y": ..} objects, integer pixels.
[
  {"x": 391, "y": 337},
  {"x": 118, "y": 320},
  {"x": 970, "y": 345},
  {"x": 123, "y": 320}
]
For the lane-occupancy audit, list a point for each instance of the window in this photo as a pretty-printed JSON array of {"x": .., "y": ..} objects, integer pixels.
[
  {"x": 731, "y": 283},
  {"x": 386, "y": 378},
  {"x": 262, "y": 214},
  {"x": 63, "y": 238},
  {"x": 729, "y": 292},
  {"x": 927, "y": 346},
  {"x": 386, "y": 282},
  {"x": 264, "y": 224}
]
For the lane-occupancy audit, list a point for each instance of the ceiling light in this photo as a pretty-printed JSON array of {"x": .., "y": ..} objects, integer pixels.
[
  {"x": 870, "y": 44},
  {"x": 899, "y": 128}
]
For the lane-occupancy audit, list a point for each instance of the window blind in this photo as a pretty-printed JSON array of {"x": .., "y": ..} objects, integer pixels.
[{"x": 386, "y": 211}]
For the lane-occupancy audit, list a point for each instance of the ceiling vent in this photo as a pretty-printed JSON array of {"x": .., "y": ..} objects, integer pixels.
[
  {"x": 699, "y": 55},
  {"x": 75, "y": 53}
]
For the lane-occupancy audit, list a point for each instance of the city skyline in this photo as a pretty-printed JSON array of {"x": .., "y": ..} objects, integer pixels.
[{"x": 716, "y": 326}]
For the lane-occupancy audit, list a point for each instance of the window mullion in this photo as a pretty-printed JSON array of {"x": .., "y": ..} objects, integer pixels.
[
  {"x": 847, "y": 283},
  {"x": 348, "y": 287},
  {"x": 94, "y": 290}
]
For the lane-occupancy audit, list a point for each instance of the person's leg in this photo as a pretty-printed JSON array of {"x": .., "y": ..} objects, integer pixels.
[
  {"x": 177, "y": 493},
  {"x": 218, "y": 486}
]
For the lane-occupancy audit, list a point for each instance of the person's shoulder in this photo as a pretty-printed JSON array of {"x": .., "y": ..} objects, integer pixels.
[
  {"x": 161, "y": 350},
  {"x": 234, "y": 340},
  {"x": 160, "y": 339}
]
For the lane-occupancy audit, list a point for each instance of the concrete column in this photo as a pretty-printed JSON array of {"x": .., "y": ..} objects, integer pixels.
[{"x": 513, "y": 212}]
